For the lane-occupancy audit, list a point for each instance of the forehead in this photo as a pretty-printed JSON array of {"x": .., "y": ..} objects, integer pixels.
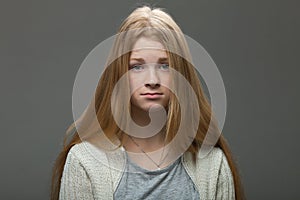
[
  {"x": 146, "y": 47},
  {"x": 147, "y": 43}
]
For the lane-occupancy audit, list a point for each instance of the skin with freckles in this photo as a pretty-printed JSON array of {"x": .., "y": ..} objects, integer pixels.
[
  {"x": 149, "y": 78},
  {"x": 148, "y": 75}
]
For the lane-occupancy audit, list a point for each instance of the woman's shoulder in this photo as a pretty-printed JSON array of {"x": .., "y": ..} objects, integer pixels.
[
  {"x": 213, "y": 159},
  {"x": 79, "y": 150},
  {"x": 85, "y": 152},
  {"x": 89, "y": 155},
  {"x": 209, "y": 163},
  {"x": 213, "y": 154},
  {"x": 84, "y": 171},
  {"x": 210, "y": 172}
]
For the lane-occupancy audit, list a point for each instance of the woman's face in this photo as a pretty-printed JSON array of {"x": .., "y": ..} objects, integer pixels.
[{"x": 149, "y": 74}]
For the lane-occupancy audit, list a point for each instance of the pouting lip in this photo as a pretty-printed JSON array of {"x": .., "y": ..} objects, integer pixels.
[{"x": 152, "y": 93}]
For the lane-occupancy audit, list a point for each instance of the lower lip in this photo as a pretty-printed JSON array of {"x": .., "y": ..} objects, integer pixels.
[{"x": 152, "y": 96}]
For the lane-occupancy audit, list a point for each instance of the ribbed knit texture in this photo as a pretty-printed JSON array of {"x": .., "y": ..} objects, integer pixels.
[{"x": 92, "y": 174}]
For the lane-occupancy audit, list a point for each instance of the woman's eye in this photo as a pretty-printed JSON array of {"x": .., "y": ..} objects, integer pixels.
[
  {"x": 136, "y": 67},
  {"x": 164, "y": 66}
]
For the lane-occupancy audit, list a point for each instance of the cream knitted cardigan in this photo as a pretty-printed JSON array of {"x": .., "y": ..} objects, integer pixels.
[{"x": 90, "y": 174}]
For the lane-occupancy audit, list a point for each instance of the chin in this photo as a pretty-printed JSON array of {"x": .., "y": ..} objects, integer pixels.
[{"x": 148, "y": 106}]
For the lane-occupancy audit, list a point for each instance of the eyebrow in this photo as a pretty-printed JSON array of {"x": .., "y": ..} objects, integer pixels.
[{"x": 164, "y": 59}]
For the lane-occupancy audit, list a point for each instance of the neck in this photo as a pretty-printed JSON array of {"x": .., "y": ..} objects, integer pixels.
[
  {"x": 146, "y": 144},
  {"x": 141, "y": 118},
  {"x": 149, "y": 152}
]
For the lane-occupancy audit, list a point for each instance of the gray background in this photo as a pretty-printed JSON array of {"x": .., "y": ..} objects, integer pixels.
[{"x": 254, "y": 43}]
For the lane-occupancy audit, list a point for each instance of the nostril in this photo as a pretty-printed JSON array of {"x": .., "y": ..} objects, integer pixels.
[{"x": 152, "y": 85}]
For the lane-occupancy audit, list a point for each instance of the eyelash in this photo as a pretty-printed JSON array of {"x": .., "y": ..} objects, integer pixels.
[
  {"x": 134, "y": 66},
  {"x": 141, "y": 65},
  {"x": 164, "y": 64}
]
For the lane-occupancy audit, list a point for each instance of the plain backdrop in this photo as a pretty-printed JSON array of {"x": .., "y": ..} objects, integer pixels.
[{"x": 255, "y": 44}]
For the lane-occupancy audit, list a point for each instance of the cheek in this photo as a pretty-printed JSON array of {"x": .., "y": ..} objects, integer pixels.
[
  {"x": 165, "y": 79},
  {"x": 167, "y": 94},
  {"x": 131, "y": 85},
  {"x": 135, "y": 83}
]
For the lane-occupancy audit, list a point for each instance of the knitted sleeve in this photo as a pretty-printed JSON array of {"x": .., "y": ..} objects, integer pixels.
[
  {"x": 75, "y": 183},
  {"x": 225, "y": 185}
]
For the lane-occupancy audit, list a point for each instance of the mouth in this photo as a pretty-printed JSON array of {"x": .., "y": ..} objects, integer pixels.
[{"x": 152, "y": 95}]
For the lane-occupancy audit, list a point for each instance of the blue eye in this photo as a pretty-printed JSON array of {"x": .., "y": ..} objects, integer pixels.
[
  {"x": 164, "y": 66},
  {"x": 136, "y": 67}
]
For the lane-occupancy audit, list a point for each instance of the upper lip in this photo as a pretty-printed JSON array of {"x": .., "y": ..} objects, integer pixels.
[{"x": 152, "y": 93}]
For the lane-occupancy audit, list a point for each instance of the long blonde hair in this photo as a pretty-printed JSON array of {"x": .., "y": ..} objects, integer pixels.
[{"x": 158, "y": 24}]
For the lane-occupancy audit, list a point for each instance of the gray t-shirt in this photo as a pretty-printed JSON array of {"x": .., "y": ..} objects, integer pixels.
[{"x": 171, "y": 182}]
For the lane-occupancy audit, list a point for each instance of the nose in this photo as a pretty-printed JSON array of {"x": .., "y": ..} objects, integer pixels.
[{"x": 152, "y": 80}]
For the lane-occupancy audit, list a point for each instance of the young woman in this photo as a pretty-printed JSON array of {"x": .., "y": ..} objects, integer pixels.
[{"x": 130, "y": 143}]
